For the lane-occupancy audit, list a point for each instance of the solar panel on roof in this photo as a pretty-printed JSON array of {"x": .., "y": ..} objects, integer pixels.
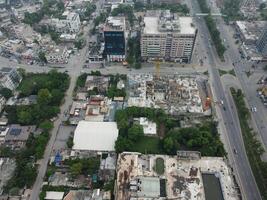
[{"x": 15, "y": 131}]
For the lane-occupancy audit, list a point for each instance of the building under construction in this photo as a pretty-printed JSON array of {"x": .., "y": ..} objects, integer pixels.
[
  {"x": 175, "y": 94},
  {"x": 139, "y": 177}
]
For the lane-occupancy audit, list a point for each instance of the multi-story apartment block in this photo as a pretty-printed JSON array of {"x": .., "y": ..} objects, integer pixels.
[
  {"x": 168, "y": 37},
  {"x": 9, "y": 78},
  {"x": 115, "y": 39}
]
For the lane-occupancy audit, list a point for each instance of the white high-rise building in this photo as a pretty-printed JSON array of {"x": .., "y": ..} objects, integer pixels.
[{"x": 168, "y": 37}]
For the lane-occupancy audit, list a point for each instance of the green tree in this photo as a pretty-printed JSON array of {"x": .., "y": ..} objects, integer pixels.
[
  {"x": 70, "y": 142},
  {"x": 25, "y": 117},
  {"x": 135, "y": 132},
  {"x": 46, "y": 126},
  {"x": 79, "y": 43},
  {"x": 44, "y": 97},
  {"x": 123, "y": 144},
  {"x": 168, "y": 145},
  {"x": 42, "y": 57},
  {"x": 54, "y": 36},
  {"x": 57, "y": 96},
  {"x": 76, "y": 169},
  {"x": 262, "y": 6},
  {"x": 90, "y": 8},
  {"x": 5, "y": 92},
  {"x": 137, "y": 65}
]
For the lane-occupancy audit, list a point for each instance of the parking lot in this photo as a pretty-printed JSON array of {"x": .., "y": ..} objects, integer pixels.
[{"x": 63, "y": 135}]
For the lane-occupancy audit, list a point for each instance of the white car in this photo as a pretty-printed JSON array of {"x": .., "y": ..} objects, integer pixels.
[{"x": 253, "y": 109}]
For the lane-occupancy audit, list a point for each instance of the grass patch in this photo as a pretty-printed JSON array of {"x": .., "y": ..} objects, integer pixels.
[
  {"x": 222, "y": 72},
  {"x": 248, "y": 73},
  {"x": 232, "y": 72},
  {"x": 148, "y": 145},
  {"x": 206, "y": 73},
  {"x": 32, "y": 83},
  {"x": 253, "y": 147},
  {"x": 159, "y": 166}
]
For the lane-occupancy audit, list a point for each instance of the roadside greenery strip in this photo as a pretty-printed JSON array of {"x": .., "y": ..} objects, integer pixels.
[
  {"x": 253, "y": 147},
  {"x": 214, "y": 33}
]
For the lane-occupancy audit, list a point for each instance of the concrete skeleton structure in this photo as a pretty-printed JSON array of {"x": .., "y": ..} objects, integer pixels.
[
  {"x": 182, "y": 178},
  {"x": 70, "y": 23},
  {"x": 58, "y": 56},
  {"x": 262, "y": 42},
  {"x": 2, "y": 102},
  {"x": 9, "y": 78},
  {"x": 168, "y": 37},
  {"x": 250, "y": 32},
  {"x": 173, "y": 93}
]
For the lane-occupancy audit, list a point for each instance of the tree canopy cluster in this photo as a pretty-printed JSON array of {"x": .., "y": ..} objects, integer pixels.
[
  {"x": 79, "y": 43},
  {"x": 49, "y": 89},
  {"x": 232, "y": 9},
  {"x": 113, "y": 91},
  {"x": 89, "y": 9},
  {"x": 125, "y": 10},
  {"x": 50, "y": 7},
  {"x": 214, "y": 33},
  {"x": 5, "y": 92},
  {"x": 203, "y": 138},
  {"x": 100, "y": 19},
  {"x": 128, "y": 130},
  {"x": 85, "y": 166},
  {"x": 174, "y": 8},
  {"x": 134, "y": 52}
]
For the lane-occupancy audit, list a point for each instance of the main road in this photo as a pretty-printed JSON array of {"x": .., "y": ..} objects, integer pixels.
[
  {"x": 241, "y": 67},
  {"x": 228, "y": 117}
]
